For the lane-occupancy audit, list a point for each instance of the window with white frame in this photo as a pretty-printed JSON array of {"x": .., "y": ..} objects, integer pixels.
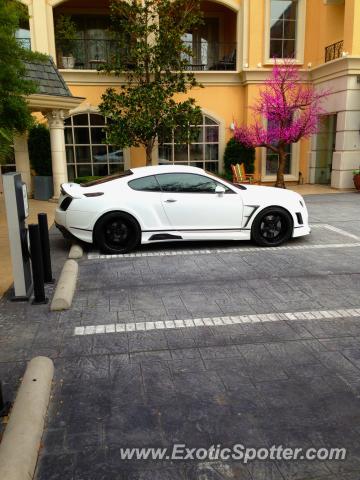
[
  {"x": 272, "y": 161},
  {"x": 203, "y": 152},
  {"x": 86, "y": 152},
  {"x": 283, "y": 28}
]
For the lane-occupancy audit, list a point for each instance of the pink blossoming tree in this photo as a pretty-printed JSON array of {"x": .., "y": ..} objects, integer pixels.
[{"x": 291, "y": 111}]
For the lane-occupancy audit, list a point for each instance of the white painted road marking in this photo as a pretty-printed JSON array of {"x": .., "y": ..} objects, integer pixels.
[
  {"x": 216, "y": 321},
  {"x": 336, "y": 230},
  {"x": 207, "y": 251},
  {"x": 168, "y": 253}
]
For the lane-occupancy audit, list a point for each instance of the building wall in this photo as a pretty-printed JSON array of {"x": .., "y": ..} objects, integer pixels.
[{"x": 227, "y": 96}]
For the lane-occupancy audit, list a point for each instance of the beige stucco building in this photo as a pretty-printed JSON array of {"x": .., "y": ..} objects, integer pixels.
[{"x": 232, "y": 56}]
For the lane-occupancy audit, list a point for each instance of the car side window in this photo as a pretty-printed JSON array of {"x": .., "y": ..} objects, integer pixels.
[
  {"x": 145, "y": 184},
  {"x": 187, "y": 183}
]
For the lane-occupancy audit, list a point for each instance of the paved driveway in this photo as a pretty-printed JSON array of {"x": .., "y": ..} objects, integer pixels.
[{"x": 204, "y": 344}]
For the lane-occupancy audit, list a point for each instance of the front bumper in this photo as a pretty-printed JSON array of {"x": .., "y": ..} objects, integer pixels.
[{"x": 301, "y": 231}]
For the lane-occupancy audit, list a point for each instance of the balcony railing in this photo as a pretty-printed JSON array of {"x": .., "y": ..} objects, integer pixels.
[
  {"x": 90, "y": 54},
  {"x": 211, "y": 56},
  {"x": 334, "y": 51}
]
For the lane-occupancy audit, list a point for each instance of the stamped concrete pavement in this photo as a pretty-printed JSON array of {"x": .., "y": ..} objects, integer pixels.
[{"x": 126, "y": 376}]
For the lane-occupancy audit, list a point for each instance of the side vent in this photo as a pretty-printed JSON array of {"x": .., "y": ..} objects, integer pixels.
[
  {"x": 165, "y": 236},
  {"x": 299, "y": 218}
]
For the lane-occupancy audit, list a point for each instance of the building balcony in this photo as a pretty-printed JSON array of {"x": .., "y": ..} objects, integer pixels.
[
  {"x": 92, "y": 54},
  {"x": 211, "y": 56},
  {"x": 334, "y": 51}
]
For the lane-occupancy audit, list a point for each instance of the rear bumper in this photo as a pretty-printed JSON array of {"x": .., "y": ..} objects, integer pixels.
[{"x": 65, "y": 232}]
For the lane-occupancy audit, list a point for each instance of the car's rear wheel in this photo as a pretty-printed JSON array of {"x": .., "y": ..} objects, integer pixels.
[
  {"x": 117, "y": 232},
  {"x": 272, "y": 227}
]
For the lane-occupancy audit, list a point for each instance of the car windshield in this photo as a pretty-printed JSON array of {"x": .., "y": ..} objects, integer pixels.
[
  {"x": 234, "y": 185},
  {"x": 106, "y": 179}
]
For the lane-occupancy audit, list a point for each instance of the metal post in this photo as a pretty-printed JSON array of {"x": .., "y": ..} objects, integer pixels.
[
  {"x": 4, "y": 406},
  {"x": 45, "y": 247},
  {"x": 37, "y": 265},
  {"x": 1, "y": 398}
]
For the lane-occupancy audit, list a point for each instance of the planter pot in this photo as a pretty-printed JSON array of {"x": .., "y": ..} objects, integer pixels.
[
  {"x": 357, "y": 181},
  {"x": 43, "y": 188},
  {"x": 68, "y": 62}
]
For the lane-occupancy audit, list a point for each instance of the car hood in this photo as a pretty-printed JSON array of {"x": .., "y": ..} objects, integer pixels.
[{"x": 256, "y": 192}]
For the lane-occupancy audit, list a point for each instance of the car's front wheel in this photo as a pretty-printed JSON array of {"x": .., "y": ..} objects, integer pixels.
[
  {"x": 272, "y": 227},
  {"x": 117, "y": 232}
]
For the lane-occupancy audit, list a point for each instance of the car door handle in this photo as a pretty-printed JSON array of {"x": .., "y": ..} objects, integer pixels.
[{"x": 170, "y": 200}]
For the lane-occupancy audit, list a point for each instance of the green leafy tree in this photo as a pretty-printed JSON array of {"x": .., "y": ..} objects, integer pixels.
[
  {"x": 15, "y": 116},
  {"x": 152, "y": 58},
  {"x": 236, "y": 152},
  {"x": 65, "y": 34}
]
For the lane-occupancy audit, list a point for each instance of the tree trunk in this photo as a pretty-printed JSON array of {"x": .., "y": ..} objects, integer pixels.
[
  {"x": 149, "y": 149},
  {"x": 280, "y": 183}
]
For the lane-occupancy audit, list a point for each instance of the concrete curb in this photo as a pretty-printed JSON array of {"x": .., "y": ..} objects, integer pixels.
[
  {"x": 20, "y": 444},
  {"x": 76, "y": 251},
  {"x": 65, "y": 288}
]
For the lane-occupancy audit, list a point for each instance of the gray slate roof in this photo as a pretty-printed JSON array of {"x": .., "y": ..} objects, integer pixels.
[{"x": 48, "y": 78}]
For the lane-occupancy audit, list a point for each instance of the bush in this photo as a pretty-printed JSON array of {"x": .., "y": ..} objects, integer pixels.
[
  {"x": 235, "y": 152},
  {"x": 86, "y": 179},
  {"x": 40, "y": 150}
]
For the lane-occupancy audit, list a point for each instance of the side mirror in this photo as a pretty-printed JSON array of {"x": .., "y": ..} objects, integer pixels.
[{"x": 220, "y": 189}]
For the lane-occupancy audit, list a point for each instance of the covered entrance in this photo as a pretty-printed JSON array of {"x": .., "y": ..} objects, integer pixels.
[
  {"x": 321, "y": 167},
  {"x": 54, "y": 101}
]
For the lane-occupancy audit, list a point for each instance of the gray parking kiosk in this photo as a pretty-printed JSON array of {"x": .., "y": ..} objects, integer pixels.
[{"x": 17, "y": 211}]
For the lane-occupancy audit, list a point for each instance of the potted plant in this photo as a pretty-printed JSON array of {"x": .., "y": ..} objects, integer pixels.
[
  {"x": 356, "y": 178},
  {"x": 40, "y": 160},
  {"x": 65, "y": 33}
]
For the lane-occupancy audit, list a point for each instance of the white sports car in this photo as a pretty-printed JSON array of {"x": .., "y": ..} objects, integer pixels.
[{"x": 168, "y": 202}]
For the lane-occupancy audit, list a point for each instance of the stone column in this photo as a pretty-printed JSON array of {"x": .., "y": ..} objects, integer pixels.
[
  {"x": 346, "y": 158},
  {"x": 22, "y": 160},
  {"x": 55, "y": 120}
]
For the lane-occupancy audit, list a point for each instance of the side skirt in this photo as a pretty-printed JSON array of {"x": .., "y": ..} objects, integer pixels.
[{"x": 178, "y": 235}]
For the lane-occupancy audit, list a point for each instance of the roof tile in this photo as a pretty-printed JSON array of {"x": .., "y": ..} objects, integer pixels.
[{"x": 48, "y": 78}]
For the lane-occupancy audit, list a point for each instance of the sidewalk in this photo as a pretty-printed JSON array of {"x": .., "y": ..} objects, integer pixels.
[
  {"x": 35, "y": 207},
  {"x": 308, "y": 189}
]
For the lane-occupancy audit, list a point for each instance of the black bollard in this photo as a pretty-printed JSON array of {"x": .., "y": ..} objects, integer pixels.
[
  {"x": 4, "y": 406},
  {"x": 45, "y": 247},
  {"x": 37, "y": 265}
]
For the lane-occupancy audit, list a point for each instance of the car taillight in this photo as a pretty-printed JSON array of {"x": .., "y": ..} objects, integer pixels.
[
  {"x": 94, "y": 194},
  {"x": 65, "y": 203}
]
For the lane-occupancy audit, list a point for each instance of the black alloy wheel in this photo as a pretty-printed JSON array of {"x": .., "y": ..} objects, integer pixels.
[
  {"x": 117, "y": 232},
  {"x": 272, "y": 227}
]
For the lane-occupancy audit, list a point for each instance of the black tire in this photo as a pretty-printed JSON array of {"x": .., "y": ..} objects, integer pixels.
[
  {"x": 117, "y": 232},
  {"x": 272, "y": 227}
]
